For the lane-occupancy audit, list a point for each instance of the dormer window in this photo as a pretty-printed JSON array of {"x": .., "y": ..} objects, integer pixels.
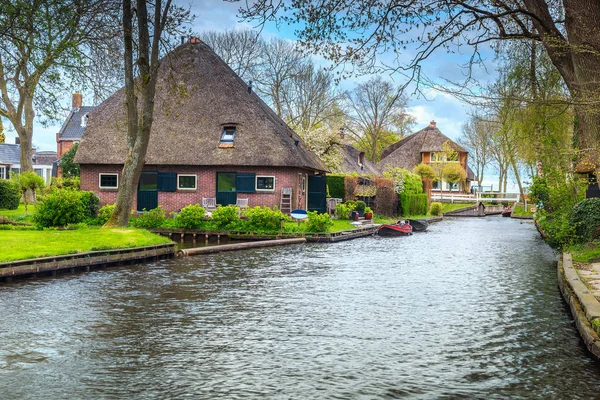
[
  {"x": 84, "y": 120},
  {"x": 227, "y": 136}
]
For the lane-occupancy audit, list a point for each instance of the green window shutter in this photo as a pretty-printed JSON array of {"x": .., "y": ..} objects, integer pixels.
[
  {"x": 245, "y": 183},
  {"x": 167, "y": 181}
]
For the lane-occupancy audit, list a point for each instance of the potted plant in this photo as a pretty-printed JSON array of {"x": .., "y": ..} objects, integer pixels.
[
  {"x": 368, "y": 213},
  {"x": 360, "y": 208}
]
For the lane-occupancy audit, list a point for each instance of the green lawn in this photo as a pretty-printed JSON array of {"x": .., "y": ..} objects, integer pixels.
[
  {"x": 585, "y": 252},
  {"x": 520, "y": 211},
  {"x": 19, "y": 213},
  {"x": 24, "y": 244}
]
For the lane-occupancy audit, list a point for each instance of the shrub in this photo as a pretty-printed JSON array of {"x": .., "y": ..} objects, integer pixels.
[
  {"x": 386, "y": 201},
  {"x": 10, "y": 194},
  {"x": 360, "y": 205},
  {"x": 150, "y": 219},
  {"x": 413, "y": 184},
  {"x": 225, "y": 217},
  {"x": 350, "y": 184},
  {"x": 335, "y": 184},
  {"x": 92, "y": 203},
  {"x": 60, "y": 208},
  {"x": 190, "y": 217},
  {"x": 318, "y": 222},
  {"x": 343, "y": 210},
  {"x": 413, "y": 204},
  {"x": 64, "y": 183},
  {"x": 104, "y": 213},
  {"x": 264, "y": 218},
  {"x": 585, "y": 218},
  {"x": 436, "y": 208}
]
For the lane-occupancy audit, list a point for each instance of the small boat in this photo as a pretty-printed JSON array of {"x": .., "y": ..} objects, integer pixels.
[
  {"x": 507, "y": 212},
  {"x": 418, "y": 225},
  {"x": 398, "y": 229}
]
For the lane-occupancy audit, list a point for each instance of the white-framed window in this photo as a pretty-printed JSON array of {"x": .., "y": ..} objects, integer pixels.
[
  {"x": 3, "y": 173},
  {"x": 265, "y": 183},
  {"x": 108, "y": 181},
  {"x": 187, "y": 182},
  {"x": 228, "y": 135}
]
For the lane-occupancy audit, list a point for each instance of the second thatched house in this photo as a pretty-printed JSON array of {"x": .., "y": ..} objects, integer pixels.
[
  {"x": 212, "y": 140},
  {"x": 427, "y": 146}
]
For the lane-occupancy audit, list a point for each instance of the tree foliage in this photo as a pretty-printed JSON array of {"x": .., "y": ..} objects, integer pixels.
[{"x": 69, "y": 168}]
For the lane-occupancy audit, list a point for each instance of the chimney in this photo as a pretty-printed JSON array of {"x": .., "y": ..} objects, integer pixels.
[
  {"x": 17, "y": 140},
  {"x": 194, "y": 40},
  {"x": 249, "y": 86},
  {"x": 77, "y": 101},
  {"x": 432, "y": 124}
]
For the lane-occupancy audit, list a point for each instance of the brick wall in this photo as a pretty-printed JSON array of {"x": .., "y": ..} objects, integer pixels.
[{"x": 206, "y": 185}]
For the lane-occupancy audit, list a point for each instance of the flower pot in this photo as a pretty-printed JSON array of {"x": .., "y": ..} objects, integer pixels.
[{"x": 368, "y": 215}]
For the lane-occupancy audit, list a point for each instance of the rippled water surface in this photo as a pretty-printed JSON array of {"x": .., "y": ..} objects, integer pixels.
[{"x": 467, "y": 310}]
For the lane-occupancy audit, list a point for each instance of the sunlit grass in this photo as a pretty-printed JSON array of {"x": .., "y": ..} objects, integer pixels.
[{"x": 25, "y": 244}]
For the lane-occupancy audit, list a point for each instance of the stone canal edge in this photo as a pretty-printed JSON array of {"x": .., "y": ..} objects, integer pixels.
[{"x": 584, "y": 306}]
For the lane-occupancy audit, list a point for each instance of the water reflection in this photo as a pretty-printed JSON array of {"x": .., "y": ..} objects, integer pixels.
[{"x": 467, "y": 310}]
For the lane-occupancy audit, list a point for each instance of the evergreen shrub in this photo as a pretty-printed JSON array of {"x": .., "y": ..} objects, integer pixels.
[
  {"x": 10, "y": 194},
  {"x": 225, "y": 217},
  {"x": 585, "y": 217},
  {"x": 60, "y": 208},
  {"x": 436, "y": 208},
  {"x": 190, "y": 217},
  {"x": 154, "y": 218},
  {"x": 413, "y": 204},
  {"x": 335, "y": 184},
  {"x": 318, "y": 222},
  {"x": 264, "y": 218}
]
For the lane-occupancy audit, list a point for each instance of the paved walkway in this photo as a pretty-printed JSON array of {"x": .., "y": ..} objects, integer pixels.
[{"x": 590, "y": 275}]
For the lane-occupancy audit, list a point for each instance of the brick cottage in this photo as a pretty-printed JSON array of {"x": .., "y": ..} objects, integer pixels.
[{"x": 212, "y": 138}]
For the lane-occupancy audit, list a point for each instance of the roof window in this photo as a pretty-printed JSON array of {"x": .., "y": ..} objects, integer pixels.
[{"x": 227, "y": 136}]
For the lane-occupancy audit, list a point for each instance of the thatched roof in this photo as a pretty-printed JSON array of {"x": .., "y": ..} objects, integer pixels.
[
  {"x": 351, "y": 161},
  {"x": 197, "y": 95},
  {"x": 407, "y": 152}
]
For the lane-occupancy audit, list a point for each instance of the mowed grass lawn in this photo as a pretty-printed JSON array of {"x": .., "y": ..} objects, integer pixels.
[{"x": 25, "y": 244}]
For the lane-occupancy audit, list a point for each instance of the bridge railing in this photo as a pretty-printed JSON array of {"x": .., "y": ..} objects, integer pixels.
[{"x": 494, "y": 197}]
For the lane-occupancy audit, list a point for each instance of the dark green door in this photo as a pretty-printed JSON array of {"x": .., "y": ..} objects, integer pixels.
[
  {"x": 147, "y": 197},
  {"x": 316, "y": 193},
  {"x": 226, "y": 188}
]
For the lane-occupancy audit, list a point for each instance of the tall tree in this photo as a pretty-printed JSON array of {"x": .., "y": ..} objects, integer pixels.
[
  {"x": 567, "y": 30},
  {"x": 241, "y": 49},
  {"x": 476, "y": 137},
  {"x": 141, "y": 60},
  {"x": 377, "y": 114},
  {"x": 45, "y": 46}
]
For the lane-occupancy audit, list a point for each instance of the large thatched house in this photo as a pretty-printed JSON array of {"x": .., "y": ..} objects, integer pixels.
[
  {"x": 426, "y": 146},
  {"x": 212, "y": 138}
]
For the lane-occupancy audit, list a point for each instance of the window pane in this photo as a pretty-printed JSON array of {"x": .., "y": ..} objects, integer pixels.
[
  {"x": 265, "y": 182},
  {"x": 187, "y": 182},
  {"x": 2, "y": 172},
  {"x": 108, "y": 180},
  {"x": 149, "y": 181},
  {"x": 226, "y": 182},
  {"x": 228, "y": 135},
  {"x": 39, "y": 171}
]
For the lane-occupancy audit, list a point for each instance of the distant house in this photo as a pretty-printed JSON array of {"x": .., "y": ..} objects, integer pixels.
[
  {"x": 10, "y": 162},
  {"x": 426, "y": 146},
  {"x": 211, "y": 138},
  {"x": 354, "y": 160},
  {"x": 72, "y": 129}
]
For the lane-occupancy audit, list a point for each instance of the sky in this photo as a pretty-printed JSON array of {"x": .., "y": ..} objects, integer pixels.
[{"x": 449, "y": 112}]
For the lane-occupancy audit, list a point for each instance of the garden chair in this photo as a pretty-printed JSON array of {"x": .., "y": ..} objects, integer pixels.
[{"x": 209, "y": 204}]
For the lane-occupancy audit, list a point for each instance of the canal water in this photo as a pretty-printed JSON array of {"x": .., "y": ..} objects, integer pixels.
[{"x": 469, "y": 309}]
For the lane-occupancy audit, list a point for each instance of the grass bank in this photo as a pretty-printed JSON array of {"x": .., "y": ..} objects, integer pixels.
[
  {"x": 25, "y": 244},
  {"x": 520, "y": 211},
  {"x": 585, "y": 253}
]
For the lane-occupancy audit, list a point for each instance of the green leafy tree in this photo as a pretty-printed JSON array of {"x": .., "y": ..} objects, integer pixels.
[{"x": 70, "y": 169}]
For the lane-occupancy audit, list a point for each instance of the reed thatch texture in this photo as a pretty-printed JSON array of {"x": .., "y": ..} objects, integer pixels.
[
  {"x": 197, "y": 95},
  {"x": 407, "y": 152},
  {"x": 351, "y": 158}
]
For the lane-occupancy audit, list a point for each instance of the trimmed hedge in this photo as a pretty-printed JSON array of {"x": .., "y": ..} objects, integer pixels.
[
  {"x": 10, "y": 194},
  {"x": 335, "y": 183},
  {"x": 413, "y": 204}
]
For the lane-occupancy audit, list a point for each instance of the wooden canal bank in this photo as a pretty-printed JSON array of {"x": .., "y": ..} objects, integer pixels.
[{"x": 50, "y": 266}]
